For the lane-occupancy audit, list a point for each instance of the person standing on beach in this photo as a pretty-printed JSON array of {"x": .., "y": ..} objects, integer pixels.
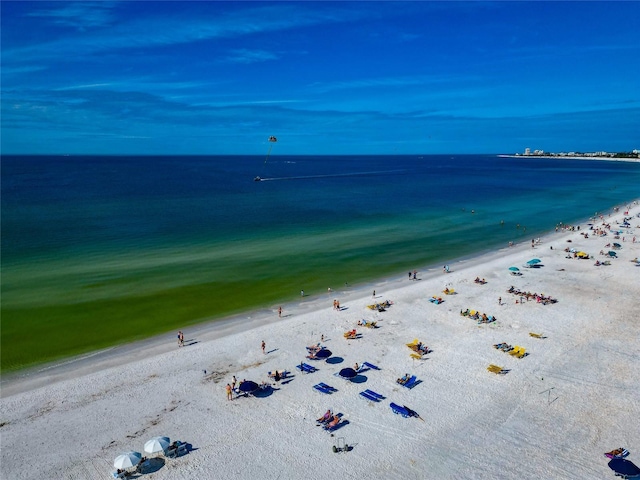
[
  {"x": 302, "y": 293},
  {"x": 374, "y": 294},
  {"x": 233, "y": 383},
  {"x": 180, "y": 339},
  {"x": 263, "y": 346},
  {"x": 279, "y": 311},
  {"x": 499, "y": 300},
  {"x": 229, "y": 392}
]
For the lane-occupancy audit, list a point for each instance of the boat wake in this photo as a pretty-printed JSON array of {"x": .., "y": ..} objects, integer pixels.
[{"x": 334, "y": 175}]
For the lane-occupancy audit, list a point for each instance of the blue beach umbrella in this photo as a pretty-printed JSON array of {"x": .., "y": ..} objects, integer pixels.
[
  {"x": 248, "y": 387},
  {"x": 534, "y": 261},
  {"x": 514, "y": 269},
  {"x": 324, "y": 353},
  {"x": 624, "y": 467},
  {"x": 347, "y": 373}
]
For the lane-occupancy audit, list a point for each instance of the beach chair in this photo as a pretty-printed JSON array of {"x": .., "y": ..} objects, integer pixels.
[
  {"x": 416, "y": 356},
  {"x": 306, "y": 368},
  {"x": 369, "y": 396},
  {"x": 521, "y": 353},
  {"x": 327, "y": 387},
  {"x": 370, "y": 365},
  {"x": 414, "y": 343},
  {"x": 617, "y": 453},
  {"x": 412, "y": 382},
  {"x": 536, "y": 335},
  {"x": 399, "y": 410},
  {"x": 322, "y": 388},
  {"x": 333, "y": 424},
  {"x": 495, "y": 369},
  {"x": 515, "y": 351},
  {"x": 377, "y": 395},
  {"x": 176, "y": 449}
]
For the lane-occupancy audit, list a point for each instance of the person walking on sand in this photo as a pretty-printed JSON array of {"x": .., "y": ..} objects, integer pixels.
[
  {"x": 229, "y": 392},
  {"x": 499, "y": 300},
  {"x": 263, "y": 346},
  {"x": 279, "y": 311},
  {"x": 180, "y": 339},
  {"x": 233, "y": 383},
  {"x": 374, "y": 294}
]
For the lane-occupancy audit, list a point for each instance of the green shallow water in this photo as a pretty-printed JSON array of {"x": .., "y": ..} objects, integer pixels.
[{"x": 211, "y": 247}]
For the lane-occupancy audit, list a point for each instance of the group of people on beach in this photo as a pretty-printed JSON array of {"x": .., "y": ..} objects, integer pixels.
[
  {"x": 540, "y": 298},
  {"x": 481, "y": 318}
]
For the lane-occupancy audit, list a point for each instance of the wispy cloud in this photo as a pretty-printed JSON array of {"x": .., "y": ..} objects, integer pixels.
[
  {"x": 149, "y": 31},
  {"x": 249, "y": 56},
  {"x": 79, "y": 15}
]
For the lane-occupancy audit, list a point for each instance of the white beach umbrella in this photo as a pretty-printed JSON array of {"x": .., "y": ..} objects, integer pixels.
[
  {"x": 157, "y": 445},
  {"x": 127, "y": 460}
]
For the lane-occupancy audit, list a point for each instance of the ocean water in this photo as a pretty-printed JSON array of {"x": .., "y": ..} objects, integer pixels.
[{"x": 101, "y": 250}]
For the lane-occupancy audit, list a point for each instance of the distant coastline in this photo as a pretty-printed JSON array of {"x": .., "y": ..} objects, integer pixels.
[{"x": 577, "y": 157}]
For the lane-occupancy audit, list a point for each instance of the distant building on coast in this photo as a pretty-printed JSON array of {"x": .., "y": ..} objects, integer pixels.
[{"x": 541, "y": 153}]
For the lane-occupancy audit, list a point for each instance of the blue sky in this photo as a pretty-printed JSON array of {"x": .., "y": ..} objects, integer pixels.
[{"x": 147, "y": 77}]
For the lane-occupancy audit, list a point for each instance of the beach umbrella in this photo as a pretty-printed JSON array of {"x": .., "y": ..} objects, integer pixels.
[
  {"x": 624, "y": 467},
  {"x": 347, "y": 373},
  {"x": 248, "y": 386},
  {"x": 514, "y": 269},
  {"x": 127, "y": 460},
  {"x": 323, "y": 353},
  {"x": 612, "y": 253},
  {"x": 617, "y": 245},
  {"x": 534, "y": 261},
  {"x": 157, "y": 445}
]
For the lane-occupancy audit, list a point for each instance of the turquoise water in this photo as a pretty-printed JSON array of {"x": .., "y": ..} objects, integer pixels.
[{"x": 158, "y": 242}]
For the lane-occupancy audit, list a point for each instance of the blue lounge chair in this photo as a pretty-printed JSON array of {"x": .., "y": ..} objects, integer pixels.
[
  {"x": 306, "y": 368},
  {"x": 374, "y": 394},
  {"x": 368, "y": 396},
  {"x": 399, "y": 410},
  {"x": 328, "y": 387},
  {"x": 370, "y": 365},
  {"x": 412, "y": 382},
  {"x": 323, "y": 389}
]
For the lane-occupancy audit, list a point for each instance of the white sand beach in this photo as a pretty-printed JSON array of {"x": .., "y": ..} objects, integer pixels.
[{"x": 552, "y": 415}]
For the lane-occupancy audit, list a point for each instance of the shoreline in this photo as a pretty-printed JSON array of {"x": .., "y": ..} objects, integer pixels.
[
  {"x": 35, "y": 377},
  {"x": 577, "y": 385}
]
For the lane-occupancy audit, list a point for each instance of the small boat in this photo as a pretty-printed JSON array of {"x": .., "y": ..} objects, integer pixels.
[{"x": 257, "y": 179}]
